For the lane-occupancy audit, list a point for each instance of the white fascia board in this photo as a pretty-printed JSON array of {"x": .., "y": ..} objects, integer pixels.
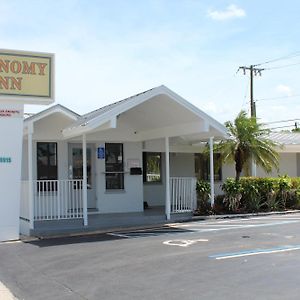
[
  {"x": 139, "y": 99},
  {"x": 212, "y": 122},
  {"x": 29, "y": 122}
]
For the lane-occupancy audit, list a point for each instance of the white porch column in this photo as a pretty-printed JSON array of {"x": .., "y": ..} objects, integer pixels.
[
  {"x": 211, "y": 165},
  {"x": 167, "y": 157},
  {"x": 84, "y": 178},
  {"x": 30, "y": 177}
]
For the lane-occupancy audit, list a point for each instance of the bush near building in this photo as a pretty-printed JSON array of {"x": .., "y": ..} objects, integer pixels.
[{"x": 254, "y": 194}]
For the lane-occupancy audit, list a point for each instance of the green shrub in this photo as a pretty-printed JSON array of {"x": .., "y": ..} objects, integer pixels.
[
  {"x": 203, "y": 195},
  {"x": 253, "y": 194},
  {"x": 233, "y": 194},
  {"x": 284, "y": 185},
  {"x": 251, "y": 198}
]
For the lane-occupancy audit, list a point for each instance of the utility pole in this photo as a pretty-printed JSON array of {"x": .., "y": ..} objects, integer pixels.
[{"x": 253, "y": 72}]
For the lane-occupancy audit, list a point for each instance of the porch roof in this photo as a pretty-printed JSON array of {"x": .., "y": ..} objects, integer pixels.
[
  {"x": 53, "y": 109},
  {"x": 152, "y": 114}
]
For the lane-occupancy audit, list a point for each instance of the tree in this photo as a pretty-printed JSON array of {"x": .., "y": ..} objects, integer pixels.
[{"x": 248, "y": 140}]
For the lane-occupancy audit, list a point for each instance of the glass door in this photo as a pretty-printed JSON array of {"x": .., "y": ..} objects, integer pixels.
[{"x": 76, "y": 170}]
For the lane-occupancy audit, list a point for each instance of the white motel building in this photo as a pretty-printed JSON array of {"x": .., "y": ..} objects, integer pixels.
[
  {"x": 133, "y": 162},
  {"x": 128, "y": 163}
]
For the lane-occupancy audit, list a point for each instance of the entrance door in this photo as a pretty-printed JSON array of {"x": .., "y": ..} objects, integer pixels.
[{"x": 76, "y": 172}]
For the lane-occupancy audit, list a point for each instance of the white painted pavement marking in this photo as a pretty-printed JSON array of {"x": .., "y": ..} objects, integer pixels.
[
  {"x": 146, "y": 232},
  {"x": 183, "y": 243},
  {"x": 238, "y": 226},
  {"x": 285, "y": 218},
  {"x": 287, "y": 248},
  {"x": 205, "y": 227},
  {"x": 132, "y": 234},
  {"x": 10, "y": 242}
]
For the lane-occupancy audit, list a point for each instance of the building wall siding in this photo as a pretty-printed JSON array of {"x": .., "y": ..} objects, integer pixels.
[{"x": 129, "y": 200}]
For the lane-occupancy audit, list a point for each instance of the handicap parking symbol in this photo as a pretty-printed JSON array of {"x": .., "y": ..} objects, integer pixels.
[{"x": 183, "y": 243}]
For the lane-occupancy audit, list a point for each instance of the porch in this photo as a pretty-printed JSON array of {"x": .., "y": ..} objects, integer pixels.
[
  {"x": 57, "y": 208},
  {"x": 112, "y": 160}
]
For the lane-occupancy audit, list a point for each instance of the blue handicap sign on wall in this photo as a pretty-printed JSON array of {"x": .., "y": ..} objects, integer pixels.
[{"x": 101, "y": 152}]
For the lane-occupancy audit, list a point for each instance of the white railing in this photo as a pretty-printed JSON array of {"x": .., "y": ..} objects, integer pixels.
[
  {"x": 183, "y": 194},
  {"x": 57, "y": 199},
  {"x": 52, "y": 199}
]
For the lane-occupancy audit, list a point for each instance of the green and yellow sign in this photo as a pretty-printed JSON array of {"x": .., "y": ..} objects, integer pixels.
[{"x": 26, "y": 74}]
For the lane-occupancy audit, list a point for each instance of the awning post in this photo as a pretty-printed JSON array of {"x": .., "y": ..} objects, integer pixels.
[
  {"x": 167, "y": 158},
  {"x": 84, "y": 178},
  {"x": 30, "y": 177},
  {"x": 211, "y": 165}
]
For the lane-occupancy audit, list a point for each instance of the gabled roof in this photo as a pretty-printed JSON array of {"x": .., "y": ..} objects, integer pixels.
[
  {"x": 51, "y": 110},
  {"x": 108, "y": 107},
  {"x": 110, "y": 112}
]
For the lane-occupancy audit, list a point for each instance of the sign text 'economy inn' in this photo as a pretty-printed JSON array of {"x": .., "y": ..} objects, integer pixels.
[{"x": 25, "y": 75}]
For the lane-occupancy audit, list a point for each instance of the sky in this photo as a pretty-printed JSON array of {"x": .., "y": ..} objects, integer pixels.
[{"x": 109, "y": 50}]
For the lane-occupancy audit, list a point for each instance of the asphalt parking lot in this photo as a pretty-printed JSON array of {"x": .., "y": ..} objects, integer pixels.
[{"x": 249, "y": 258}]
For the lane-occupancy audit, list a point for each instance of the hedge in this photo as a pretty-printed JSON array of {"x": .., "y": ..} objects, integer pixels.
[{"x": 253, "y": 194}]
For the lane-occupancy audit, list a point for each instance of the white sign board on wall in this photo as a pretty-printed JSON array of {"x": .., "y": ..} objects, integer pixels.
[{"x": 25, "y": 78}]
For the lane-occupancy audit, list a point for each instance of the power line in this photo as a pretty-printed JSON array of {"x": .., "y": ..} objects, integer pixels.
[
  {"x": 254, "y": 71},
  {"x": 291, "y": 55},
  {"x": 284, "y": 66},
  {"x": 282, "y": 121},
  {"x": 276, "y": 98}
]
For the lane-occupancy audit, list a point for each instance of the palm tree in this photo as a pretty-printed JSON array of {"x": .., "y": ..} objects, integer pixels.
[{"x": 247, "y": 140}]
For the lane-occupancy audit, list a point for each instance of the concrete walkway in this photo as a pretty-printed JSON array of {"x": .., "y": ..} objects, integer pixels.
[{"x": 5, "y": 293}]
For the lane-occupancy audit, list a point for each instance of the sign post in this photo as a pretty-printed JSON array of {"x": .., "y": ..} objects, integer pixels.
[{"x": 25, "y": 78}]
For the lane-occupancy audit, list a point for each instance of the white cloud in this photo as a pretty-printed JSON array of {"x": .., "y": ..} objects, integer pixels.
[
  {"x": 284, "y": 89},
  {"x": 231, "y": 12}
]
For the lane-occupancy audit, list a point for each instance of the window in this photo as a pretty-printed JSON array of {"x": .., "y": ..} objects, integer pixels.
[
  {"x": 47, "y": 166},
  {"x": 46, "y": 161},
  {"x": 114, "y": 166},
  {"x": 152, "y": 167},
  {"x": 202, "y": 167}
]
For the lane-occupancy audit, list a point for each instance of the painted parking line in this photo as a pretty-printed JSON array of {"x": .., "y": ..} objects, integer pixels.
[
  {"x": 130, "y": 234},
  {"x": 238, "y": 226},
  {"x": 149, "y": 232},
  {"x": 199, "y": 227},
  {"x": 252, "y": 252}
]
